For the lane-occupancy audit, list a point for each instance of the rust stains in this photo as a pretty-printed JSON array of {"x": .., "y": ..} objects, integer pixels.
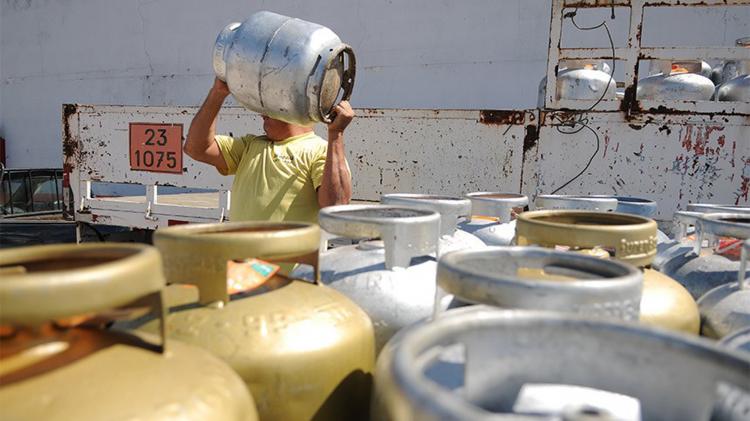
[
  {"x": 696, "y": 140},
  {"x": 501, "y": 117},
  {"x": 629, "y": 103},
  {"x": 70, "y": 146},
  {"x": 606, "y": 145},
  {"x": 530, "y": 139},
  {"x": 665, "y": 128},
  {"x": 585, "y": 4},
  {"x": 744, "y": 190}
]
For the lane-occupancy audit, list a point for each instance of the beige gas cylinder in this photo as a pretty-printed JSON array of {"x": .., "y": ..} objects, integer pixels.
[
  {"x": 57, "y": 363},
  {"x": 304, "y": 350},
  {"x": 628, "y": 238}
]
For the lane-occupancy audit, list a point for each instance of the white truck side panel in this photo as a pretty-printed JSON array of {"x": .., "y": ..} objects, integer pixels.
[{"x": 672, "y": 159}]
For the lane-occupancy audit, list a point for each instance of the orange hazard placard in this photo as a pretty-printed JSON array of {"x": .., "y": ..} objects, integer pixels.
[{"x": 156, "y": 147}]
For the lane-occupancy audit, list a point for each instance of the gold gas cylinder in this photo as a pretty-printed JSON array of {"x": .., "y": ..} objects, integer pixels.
[
  {"x": 628, "y": 238},
  {"x": 58, "y": 363},
  {"x": 304, "y": 350}
]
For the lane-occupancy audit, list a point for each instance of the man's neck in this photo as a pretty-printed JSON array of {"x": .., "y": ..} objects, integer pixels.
[{"x": 291, "y": 132}]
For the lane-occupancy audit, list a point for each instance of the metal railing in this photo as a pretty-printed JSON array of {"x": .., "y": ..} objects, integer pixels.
[{"x": 632, "y": 54}]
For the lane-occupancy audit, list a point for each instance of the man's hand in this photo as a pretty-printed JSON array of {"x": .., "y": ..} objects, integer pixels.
[
  {"x": 344, "y": 116},
  {"x": 220, "y": 88}
]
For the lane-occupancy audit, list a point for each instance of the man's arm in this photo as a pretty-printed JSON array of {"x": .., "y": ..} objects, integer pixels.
[
  {"x": 336, "y": 184},
  {"x": 200, "y": 144}
]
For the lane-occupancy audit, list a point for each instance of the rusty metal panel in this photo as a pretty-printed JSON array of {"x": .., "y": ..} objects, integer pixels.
[
  {"x": 672, "y": 159},
  {"x": 98, "y": 147},
  {"x": 651, "y": 3},
  {"x": 425, "y": 151},
  {"x": 435, "y": 151}
]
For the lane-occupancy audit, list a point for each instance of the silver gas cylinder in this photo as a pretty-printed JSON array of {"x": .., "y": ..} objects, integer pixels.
[
  {"x": 581, "y": 80},
  {"x": 739, "y": 340},
  {"x": 635, "y": 206},
  {"x": 536, "y": 278},
  {"x": 703, "y": 269},
  {"x": 640, "y": 207},
  {"x": 531, "y": 365},
  {"x": 492, "y": 216},
  {"x": 674, "y": 253},
  {"x": 576, "y": 202},
  {"x": 285, "y": 68},
  {"x": 738, "y": 88},
  {"x": 718, "y": 208},
  {"x": 677, "y": 251},
  {"x": 706, "y": 70},
  {"x": 676, "y": 81},
  {"x": 726, "y": 308},
  {"x": 391, "y": 278},
  {"x": 452, "y": 210}
]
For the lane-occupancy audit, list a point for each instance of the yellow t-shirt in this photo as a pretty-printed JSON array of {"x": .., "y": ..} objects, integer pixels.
[{"x": 274, "y": 181}]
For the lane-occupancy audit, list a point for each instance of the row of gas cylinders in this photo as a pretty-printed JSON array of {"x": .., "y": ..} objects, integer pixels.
[
  {"x": 668, "y": 80},
  {"x": 570, "y": 322}
]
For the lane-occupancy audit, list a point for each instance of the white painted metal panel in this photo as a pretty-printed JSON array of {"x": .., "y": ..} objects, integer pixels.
[
  {"x": 672, "y": 159},
  {"x": 96, "y": 149},
  {"x": 433, "y": 151},
  {"x": 421, "y": 151},
  {"x": 102, "y": 151}
]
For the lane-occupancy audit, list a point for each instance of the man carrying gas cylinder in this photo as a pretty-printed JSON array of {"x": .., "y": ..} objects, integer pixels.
[{"x": 287, "y": 174}]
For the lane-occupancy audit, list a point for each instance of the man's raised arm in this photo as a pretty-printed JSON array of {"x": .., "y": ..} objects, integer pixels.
[
  {"x": 200, "y": 144},
  {"x": 336, "y": 185}
]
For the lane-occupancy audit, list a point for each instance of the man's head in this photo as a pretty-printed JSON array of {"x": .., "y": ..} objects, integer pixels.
[{"x": 280, "y": 130}]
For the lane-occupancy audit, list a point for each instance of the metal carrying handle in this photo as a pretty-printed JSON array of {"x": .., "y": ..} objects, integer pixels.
[
  {"x": 221, "y": 46},
  {"x": 635, "y": 206},
  {"x": 631, "y": 237},
  {"x": 496, "y": 205},
  {"x": 744, "y": 256},
  {"x": 600, "y": 287},
  {"x": 571, "y": 202},
  {"x": 491, "y": 342},
  {"x": 41, "y": 284},
  {"x": 735, "y": 225},
  {"x": 405, "y": 232},
  {"x": 450, "y": 208},
  {"x": 347, "y": 79},
  {"x": 197, "y": 254},
  {"x": 717, "y": 208},
  {"x": 683, "y": 220}
]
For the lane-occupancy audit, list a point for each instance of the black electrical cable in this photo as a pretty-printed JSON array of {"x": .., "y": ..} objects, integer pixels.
[
  {"x": 612, "y": 45},
  {"x": 577, "y": 122},
  {"x": 596, "y": 135}
]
